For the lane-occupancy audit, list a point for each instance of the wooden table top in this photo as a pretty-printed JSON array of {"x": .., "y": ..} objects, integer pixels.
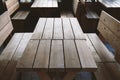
[
  {"x": 110, "y": 3},
  {"x": 45, "y": 4},
  {"x": 57, "y": 45}
]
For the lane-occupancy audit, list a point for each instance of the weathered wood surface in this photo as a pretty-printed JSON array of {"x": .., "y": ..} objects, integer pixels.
[
  {"x": 57, "y": 55},
  {"x": 109, "y": 27},
  {"x": 12, "y": 6},
  {"x": 58, "y": 28},
  {"x": 5, "y": 27}
]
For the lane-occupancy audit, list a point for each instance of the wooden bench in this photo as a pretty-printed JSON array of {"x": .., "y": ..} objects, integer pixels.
[
  {"x": 108, "y": 67},
  {"x": 13, "y": 51},
  {"x": 18, "y": 19}
]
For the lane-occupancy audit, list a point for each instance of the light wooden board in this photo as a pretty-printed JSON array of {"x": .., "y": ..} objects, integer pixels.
[
  {"x": 68, "y": 33},
  {"x": 109, "y": 27},
  {"x": 29, "y": 54},
  {"x": 58, "y": 30},
  {"x": 4, "y": 19},
  {"x": 77, "y": 29},
  {"x": 45, "y": 4},
  {"x": 85, "y": 55},
  {"x": 71, "y": 57},
  {"x": 56, "y": 56},
  {"x": 48, "y": 31},
  {"x": 38, "y": 32},
  {"x": 103, "y": 52},
  {"x": 42, "y": 57},
  {"x": 109, "y": 36},
  {"x": 22, "y": 45},
  {"x": 93, "y": 50},
  {"x": 12, "y": 6},
  {"x": 9, "y": 51},
  {"x": 5, "y": 32}
]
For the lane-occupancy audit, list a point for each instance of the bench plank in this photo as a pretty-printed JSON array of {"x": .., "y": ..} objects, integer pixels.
[
  {"x": 12, "y": 6},
  {"x": 85, "y": 55},
  {"x": 4, "y": 19},
  {"x": 48, "y": 31},
  {"x": 5, "y": 32},
  {"x": 94, "y": 53},
  {"x": 42, "y": 56},
  {"x": 56, "y": 57},
  {"x": 103, "y": 52},
  {"x": 68, "y": 33},
  {"x": 69, "y": 49},
  {"x": 22, "y": 45},
  {"x": 58, "y": 31},
  {"x": 28, "y": 56},
  {"x": 38, "y": 32},
  {"x": 9, "y": 51}
]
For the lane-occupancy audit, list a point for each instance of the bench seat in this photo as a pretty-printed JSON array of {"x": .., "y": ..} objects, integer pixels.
[
  {"x": 11, "y": 54},
  {"x": 99, "y": 50},
  {"x": 19, "y": 21},
  {"x": 108, "y": 68}
]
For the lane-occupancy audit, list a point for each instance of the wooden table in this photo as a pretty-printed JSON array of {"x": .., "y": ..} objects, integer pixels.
[
  {"x": 57, "y": 47},
  {"x": 45, "y": 8}
]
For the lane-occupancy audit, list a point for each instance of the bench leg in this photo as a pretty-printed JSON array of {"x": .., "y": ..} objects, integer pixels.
[
  {"x": 70, "y": 75},
  {"x": 44, "y": 75}
]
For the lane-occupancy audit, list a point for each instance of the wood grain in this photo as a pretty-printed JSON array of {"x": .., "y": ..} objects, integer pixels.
[
  {"x": 29, "y": 54},
  {"x": 42, "y": 56},
  {"x": 68, "y": 33},
  {"x": 58, "y": 31},
  {"x": 38, "y": 32},
  {"x": 56, "y": 57},
  {"x": 48, "y": 31},
  {"x": 71, "y": 57},
  {"x": 77, "y": 29},
  {"x": 85, "y": 55}
]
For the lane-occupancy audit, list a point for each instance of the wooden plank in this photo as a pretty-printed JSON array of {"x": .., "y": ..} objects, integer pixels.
[
  {"x": 9, "y": 51},
  {"x": 38, "y": 32},
  {"x": 4, "y": 19},
  {"x": 56, "y": 57},
  {"x": 85, "y": 55},
  {"x": 13, "y": 8},
  {"x": 71, "y": 57},
  {"x": 111, "y": 23},
  {"x": 58, "y": 31},
  {"x": 103, "y": 52},
  {"x": 91, "y": 47},
  {"x": 77, "y": 29},
  {"x": 27, "y": 60},
  {"x": 48, "y": 31},
  {"x": 5, "y": 32},
  {"x": 22, "y": 45},
  {"x": 68, "y": 33},
  {"x": 109, "y": 36},
  {"x": 42, "y": 56}
]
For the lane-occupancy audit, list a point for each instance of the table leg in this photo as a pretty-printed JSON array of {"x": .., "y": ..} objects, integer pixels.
[
  {"x": 70, "y": 75},
  {"x": 44, "y": 75}
]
